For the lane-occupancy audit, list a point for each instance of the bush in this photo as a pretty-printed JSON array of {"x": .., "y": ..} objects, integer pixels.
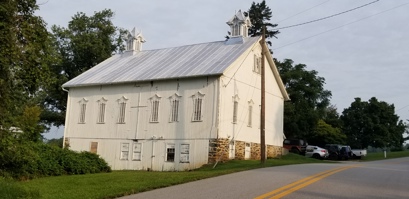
[{"x": 26, "y": 160}]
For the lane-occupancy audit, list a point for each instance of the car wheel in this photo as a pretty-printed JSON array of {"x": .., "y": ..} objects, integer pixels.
[
  {"x": 294, "y": 150},
  {"x": 316, "y": 156}
]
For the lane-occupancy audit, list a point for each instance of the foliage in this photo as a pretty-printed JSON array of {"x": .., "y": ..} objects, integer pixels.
[
  {"x": 87, "y": 41},
  {"x": 326, "y": 134},
  {"x": 260, "y": 15},
  {"x": 29, "y": 124},
  {"x": 25, "y": 160},
  {"x": 373, "y": 123},
  {"x": 12, "y": 190},
  {"x": 58, "y": 142},
  {"x": 309, "y": 100},
  {"x": 25, "y": 55}
]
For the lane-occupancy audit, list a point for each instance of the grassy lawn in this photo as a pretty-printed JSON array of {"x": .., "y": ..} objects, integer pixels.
[
  {"x": 380, "y": 156},
  {"x": 120, "y": 183}
]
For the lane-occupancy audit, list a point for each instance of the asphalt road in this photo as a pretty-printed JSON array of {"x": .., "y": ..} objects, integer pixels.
[{"x": 350, "y": 179}]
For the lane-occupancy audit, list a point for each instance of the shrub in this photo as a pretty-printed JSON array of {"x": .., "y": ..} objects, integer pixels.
[{"x": 26, "y": 160}]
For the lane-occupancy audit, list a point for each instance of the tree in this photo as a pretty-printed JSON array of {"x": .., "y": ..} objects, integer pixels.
[
  {"x": 260, "y": 15},
  {"x": 326, "y": 134},
  {"x": 373, "y": 123},
  {"x": 309, "y": 99},
  {"x": 24, "y": 59},
  {"x": 86, "y": 42}
]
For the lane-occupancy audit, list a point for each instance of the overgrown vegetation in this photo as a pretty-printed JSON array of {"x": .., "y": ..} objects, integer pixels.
[{"x": 22, "y": 160}]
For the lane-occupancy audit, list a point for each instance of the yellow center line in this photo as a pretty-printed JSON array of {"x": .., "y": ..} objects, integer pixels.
[{"x": 302, "y": 183}]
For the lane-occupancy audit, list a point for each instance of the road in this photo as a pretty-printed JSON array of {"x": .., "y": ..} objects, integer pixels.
[{"x": 350, "y": 179}]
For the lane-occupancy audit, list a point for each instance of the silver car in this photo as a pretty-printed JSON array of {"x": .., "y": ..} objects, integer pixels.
[{"x": 316, "y": 152}]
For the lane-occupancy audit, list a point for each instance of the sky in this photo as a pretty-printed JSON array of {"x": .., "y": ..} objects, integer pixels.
[{"x": 361, "y": 53}]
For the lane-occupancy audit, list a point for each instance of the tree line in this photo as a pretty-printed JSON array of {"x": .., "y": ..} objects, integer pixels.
[{"x": 35, "y": 62}]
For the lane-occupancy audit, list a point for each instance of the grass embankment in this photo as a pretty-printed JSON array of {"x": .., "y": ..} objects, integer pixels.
[
  {"x": 389, "y": 155},
  {"x": 120, "y": 183}
]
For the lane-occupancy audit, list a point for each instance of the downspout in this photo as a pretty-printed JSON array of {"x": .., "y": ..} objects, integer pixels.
[{"x": 66, "y": 118}]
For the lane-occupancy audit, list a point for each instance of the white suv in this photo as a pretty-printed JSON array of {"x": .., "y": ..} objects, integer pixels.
[{"x": 316, "y": 152}]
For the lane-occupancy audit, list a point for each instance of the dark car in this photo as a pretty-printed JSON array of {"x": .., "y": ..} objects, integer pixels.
[
  {"x": 338, "y": 152},
  {"x": 345, "y": 153}
]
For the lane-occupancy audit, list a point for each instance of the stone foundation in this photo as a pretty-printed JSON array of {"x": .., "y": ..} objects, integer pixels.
[
  {"x": 218, "y": 150},
  {"x": 274, "y": 151},
  {"x": 240, "y": 147}
]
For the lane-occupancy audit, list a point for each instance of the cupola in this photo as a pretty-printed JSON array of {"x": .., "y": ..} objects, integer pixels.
[
  {"x": 134, "y": 40},
  {"x": 239, "y": 25}
]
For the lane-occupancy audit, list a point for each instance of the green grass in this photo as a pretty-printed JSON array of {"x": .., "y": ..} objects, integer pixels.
[
  {"x": 120, "y": 183},
  {"x": 10, "y": 189},
  {"x": 389, "y": 155}
]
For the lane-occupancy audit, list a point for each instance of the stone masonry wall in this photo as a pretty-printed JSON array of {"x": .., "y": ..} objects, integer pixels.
[
  {"x": 218, "y": 150},
  {"x": 274, "y": 151},
  {"x": 240, "y": 147}
]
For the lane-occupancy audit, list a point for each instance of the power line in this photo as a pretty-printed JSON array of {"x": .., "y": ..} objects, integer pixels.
[
  {"x": 303, "y": 11},
  {"x": 327, "y": 17},
  {"x": 288, "y": 44}
]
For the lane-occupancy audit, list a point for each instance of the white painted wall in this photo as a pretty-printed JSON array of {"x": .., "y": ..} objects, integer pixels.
[
  {"x": 137, "y": 127},
  {"x": 240, "y": 80}
]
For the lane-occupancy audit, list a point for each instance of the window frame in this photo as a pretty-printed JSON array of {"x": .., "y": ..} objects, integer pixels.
[
  {"x": 122, "y": 110},
  {"x": 137, "y": 150},
  {"x": 155, "y": 105},
  {"x": 197, "y": 115},
  {"x": 250, "y": 114},
  {"x": 184, "y": 156},
  {"x": 83, "y": 110},
  {"x": 124, "y": 151},
  {"x": 169, "y": 152},
  {"x": 101, "y": 110},
  {"x": 174, "y": 107},
  {"x": 257, "y": 64}
]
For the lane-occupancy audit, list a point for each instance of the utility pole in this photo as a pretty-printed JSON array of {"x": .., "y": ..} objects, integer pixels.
[{"x": 263, "y": 100}]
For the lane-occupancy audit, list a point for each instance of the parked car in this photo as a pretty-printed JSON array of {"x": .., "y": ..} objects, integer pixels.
[
  {"x": 316, "y": 152},
  {"x": 295, "y": 145},
  {"x": 333, "y": 150},
  {"x": 358, "y": 153},
  {"x": 345, "y": 153}
]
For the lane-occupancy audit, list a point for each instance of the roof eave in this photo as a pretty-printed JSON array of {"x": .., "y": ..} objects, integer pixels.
[{"x": 140, "y": 81}]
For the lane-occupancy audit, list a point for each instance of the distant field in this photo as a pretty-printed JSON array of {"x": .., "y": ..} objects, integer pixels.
[{"x": 120, "y": 183}]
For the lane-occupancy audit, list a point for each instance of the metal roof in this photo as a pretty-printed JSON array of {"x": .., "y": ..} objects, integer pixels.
[{"x": 179, "y": 62}]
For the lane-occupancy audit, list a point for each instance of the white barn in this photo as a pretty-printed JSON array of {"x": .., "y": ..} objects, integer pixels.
[{"x": 177, "y": 108}]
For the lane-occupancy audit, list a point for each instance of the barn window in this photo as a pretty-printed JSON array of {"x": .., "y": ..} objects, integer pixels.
[
  {"x": 122, "y": 110},
  {"x": 235, "y": 107},
  {"x": 155, "y": 101},
  {"x": 170, "y": 153},
  {"x": 174, "y": 108},
  {"x": 124, "y": 151},
  {"x": 83, "y": 108},
  {"x": 101, "y": 111},
  {"x": 137, "y": 151},
  {"x": 257, "y": 64},
  {"x": 184, "y": 153},
  {"x": 197, "y": 107},
  {"x": 250, "y": 117}
]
